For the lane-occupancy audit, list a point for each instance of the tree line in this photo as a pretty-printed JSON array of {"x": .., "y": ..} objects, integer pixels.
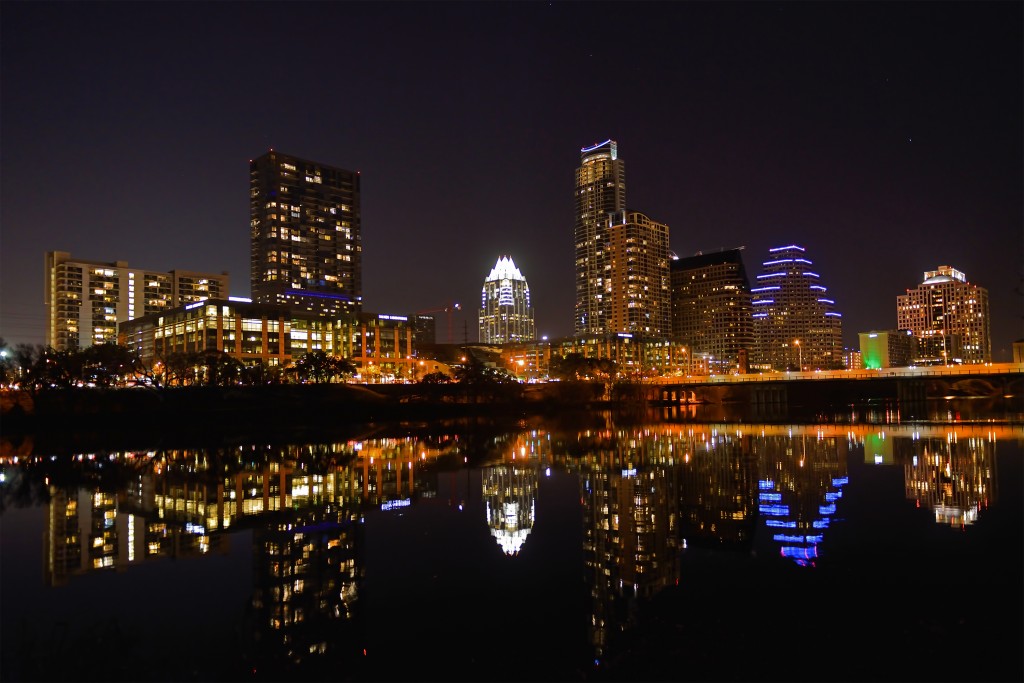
[{"x": 38, "y": 367}]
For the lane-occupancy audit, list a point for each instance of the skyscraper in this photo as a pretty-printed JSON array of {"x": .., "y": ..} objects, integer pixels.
[
  {"x": 86, "y": 300},
  {"x": 506, "y": 315},
  {"x": 637, "y": 295},
  {"x": 305, "y": 235},
  {"x": 600, "y": 191},
  {"x": 711, "y": 311},
  {"x": 795, "y": 323},
  {"x": 948, "y": 317}
]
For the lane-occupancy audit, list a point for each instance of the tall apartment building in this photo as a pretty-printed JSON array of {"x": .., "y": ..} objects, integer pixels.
[
  {"x": 86, "y": 300},
  {"x": 795, "y": 322},
  {"x": 948, "y": 317},
  {"x": 600, "y": 191},
  {"x": 638, "y": 288},
  {"x": 622, "y": 257},
  {"x": 506, "y": 315},
  {"x": 711, "y": 310},
  {"x": 305, "y": 235}
]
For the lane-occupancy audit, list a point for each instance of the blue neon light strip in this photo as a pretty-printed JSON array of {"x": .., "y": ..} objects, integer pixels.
[
  {"x": 776, "y": 510},
  {"x": 592, "y": 148},
  {"x": 319, "y": 295},
  {"x": 779, "y": 524}
]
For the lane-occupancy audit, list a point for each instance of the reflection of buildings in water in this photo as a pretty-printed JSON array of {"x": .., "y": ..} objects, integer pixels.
[
  {"x": 178, "y": 503},
  {"x": 306, "y": 581},
  {"x": 955, "y": 477},
  {"x": 630, "y": 510},
  {"x": 802, "y": 478},
  {"x": 718, "y": 490},
  {"x": 509, "y": 493},
  {"x": 86, "y": 531}
]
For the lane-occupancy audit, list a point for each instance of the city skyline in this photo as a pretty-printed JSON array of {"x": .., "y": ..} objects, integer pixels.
[{"x": 885, "y": 138}]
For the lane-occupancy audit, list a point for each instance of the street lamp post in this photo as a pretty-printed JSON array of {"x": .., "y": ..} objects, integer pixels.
[{"x": 800, "y": 354}]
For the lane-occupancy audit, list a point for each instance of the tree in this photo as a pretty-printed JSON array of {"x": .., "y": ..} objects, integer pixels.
[
  {"x": 319, "y": 366},
  {"x": 53, "y": 369},
  {"x": 106, "y": 365},
  {"x": 219, "y": 368},
  {"x": 576, "y": 366}
]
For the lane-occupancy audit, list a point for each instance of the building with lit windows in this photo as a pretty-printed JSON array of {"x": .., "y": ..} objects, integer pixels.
[
  {"x": 305, "y": 235},
  {"x": 796, "y": 325},
  {"x": 86, "y": 300},
  {"x": 638, "y": 293},
  {"x": 600, "y": 191},
  {"x": 506, "y": 315},
  {"x": 948, "y": 317},
  {"x": 383, "y": 347},
  {"x": 509, "y": 494},
  {"x": 622, "y": 257},
  {"x": 711, "y": 310}
]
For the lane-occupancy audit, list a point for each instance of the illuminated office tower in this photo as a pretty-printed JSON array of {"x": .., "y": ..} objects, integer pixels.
[
  {"x": 305, "y": 235},
  {"x": 86, "y": 300},
  {"x": 505, "y": 312},
  {"x": 600, "y": 191},
  {"x": 948, "y": 317},
  {"x": 795, "y": 322},
  {"x": 711, "y": 311},
  {"x": 509, "y": 495}
]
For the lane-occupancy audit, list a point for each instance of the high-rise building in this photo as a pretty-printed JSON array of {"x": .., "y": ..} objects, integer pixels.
[
  {"x": 86, "y": 300},
  {"x": 305, "y": 235},
  {"x": 795, "y": 322},
  {"x": 948, "y": 317},
  {"x": 637, "y": 296},
  {"x": 711, "y": 311},
  {"x": 622, "y": 257},
  {"x": 600, "y": 191},
  {"x": 506, "y": 315}
]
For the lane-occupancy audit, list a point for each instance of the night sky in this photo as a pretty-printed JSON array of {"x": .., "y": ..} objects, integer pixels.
[{"x": 885, "y": 138}]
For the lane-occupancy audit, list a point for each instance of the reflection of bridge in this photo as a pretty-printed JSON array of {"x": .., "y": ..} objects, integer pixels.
[{"x": 990, "y": 432}]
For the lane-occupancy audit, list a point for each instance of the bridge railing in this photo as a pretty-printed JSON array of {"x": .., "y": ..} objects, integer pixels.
[{"x": 788, "y": 376}]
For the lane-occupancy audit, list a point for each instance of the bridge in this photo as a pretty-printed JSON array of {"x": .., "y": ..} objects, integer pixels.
[{"x": 906, "y": 385}]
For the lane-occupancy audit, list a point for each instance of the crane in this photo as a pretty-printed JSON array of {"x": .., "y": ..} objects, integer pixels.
[{"x": 450, "y": 309}]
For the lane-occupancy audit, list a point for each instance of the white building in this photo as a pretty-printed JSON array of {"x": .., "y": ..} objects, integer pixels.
[{"x": 506, "y": 315}]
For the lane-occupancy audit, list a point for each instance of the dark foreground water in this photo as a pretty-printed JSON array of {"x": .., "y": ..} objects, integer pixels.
[{"x": 590, "y": 549}]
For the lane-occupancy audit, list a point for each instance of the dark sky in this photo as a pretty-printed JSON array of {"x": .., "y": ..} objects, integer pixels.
[{"x": 884, "y": 137}]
